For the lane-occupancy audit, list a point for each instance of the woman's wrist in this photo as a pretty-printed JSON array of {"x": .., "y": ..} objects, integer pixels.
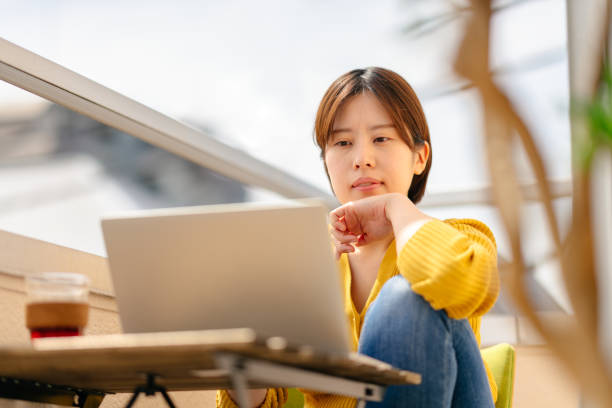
[
  {"x": 400, "y": 211},
  {"x": 405, "y": 217}
]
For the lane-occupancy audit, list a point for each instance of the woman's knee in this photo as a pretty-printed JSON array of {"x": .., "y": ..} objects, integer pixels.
[
  {"x": 397, "y": 297},
  {"x": 402, "y": 329},
  {"x": 399, "y": 311}
]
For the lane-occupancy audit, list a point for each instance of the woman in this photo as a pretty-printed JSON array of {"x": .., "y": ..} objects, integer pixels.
[{"x": 415, "y": 287}]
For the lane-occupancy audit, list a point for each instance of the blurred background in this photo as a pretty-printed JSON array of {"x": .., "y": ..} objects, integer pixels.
[{"x": 251, "y": 75}]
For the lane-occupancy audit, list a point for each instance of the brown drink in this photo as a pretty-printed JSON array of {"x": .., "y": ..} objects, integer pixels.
[
  {"x": 56, "y": 319},
  {"x": 57, "y": 304}
]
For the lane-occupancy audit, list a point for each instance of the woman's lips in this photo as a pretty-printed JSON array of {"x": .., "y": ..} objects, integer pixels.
[{"x": 366, "y": 185}]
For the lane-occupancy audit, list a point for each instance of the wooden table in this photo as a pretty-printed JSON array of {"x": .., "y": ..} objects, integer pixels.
[{"x": 86, "y": 368}]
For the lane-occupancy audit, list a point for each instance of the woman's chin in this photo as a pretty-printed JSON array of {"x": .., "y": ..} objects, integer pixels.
[{"x": 367, "y": 193}]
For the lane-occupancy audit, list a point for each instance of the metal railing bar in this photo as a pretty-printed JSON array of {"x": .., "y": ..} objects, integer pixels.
[{"x": 51, "y": 81}]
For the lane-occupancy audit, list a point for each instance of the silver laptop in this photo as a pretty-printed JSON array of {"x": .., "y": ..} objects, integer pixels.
[{"x": 265, "y": 267}]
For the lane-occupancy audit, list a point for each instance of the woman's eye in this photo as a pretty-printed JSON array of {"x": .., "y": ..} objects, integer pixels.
[
  {"x": 380, "y": 139},
  {"x": 341, "y": 143}
]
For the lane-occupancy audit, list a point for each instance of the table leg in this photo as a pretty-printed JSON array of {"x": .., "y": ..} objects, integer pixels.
[
  {"x": 150, "y": 389},
  {"x": 167, "y": 398},
  {"x": 133, "y": 399},
  {"x": 235, "y": 368}
]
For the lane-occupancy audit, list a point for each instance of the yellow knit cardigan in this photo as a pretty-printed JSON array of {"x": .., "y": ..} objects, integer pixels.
[{"x": 451, "y": 263}]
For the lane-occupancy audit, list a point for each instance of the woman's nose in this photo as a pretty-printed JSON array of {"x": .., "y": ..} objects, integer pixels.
[{"x": 364, "y": 157}]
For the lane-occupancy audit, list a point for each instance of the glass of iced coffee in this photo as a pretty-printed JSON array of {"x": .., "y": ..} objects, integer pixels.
[{"x": 57, "y": 304}]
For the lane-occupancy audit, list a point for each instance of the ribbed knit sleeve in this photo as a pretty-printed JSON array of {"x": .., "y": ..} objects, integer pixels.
[
  {"x": 453, "y": 265},
  {"x": 275, "y": 398},
  {"x": 315, "y": 399}
]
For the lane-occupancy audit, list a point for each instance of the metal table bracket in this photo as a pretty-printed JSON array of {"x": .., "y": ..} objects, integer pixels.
[
  {"x": 242, "y": 369},
  {"x": 150, "y": 389},
  {"x": 36, "y": 391}
]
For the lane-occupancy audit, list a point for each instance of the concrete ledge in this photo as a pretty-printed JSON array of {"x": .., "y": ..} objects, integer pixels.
[{"x": 22, "y": 255}]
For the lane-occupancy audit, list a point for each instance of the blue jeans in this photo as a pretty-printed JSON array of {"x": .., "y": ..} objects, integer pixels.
[{"x": 402, "y": 328}]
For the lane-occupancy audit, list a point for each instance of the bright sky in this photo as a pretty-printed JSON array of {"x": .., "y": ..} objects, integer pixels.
[{"x": 255, "y": 71}]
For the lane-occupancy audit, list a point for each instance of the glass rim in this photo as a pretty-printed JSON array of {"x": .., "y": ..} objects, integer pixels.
[{"x": 60, "y": 278}]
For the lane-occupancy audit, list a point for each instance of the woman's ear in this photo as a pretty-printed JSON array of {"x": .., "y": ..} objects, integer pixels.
[{"x": 422, "y": 154}]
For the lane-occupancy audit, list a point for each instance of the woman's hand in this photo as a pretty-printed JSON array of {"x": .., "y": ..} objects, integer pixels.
[{"x": 360, "y": 222}]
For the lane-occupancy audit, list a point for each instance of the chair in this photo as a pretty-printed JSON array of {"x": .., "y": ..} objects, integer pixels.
[{"x": 500, "y": 359}]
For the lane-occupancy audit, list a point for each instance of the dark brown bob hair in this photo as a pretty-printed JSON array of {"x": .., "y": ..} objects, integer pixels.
[{"x": 398, "y": 99}]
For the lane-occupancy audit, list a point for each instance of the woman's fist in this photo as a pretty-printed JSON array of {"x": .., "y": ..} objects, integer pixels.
[{"x": 360, "y": 222}]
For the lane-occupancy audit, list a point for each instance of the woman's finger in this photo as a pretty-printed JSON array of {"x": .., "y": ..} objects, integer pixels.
[
  {"x": 339, "y": 225},
  {"x": 352, "y": 222},
  {"x": 344, "y": 248},
  {"x": 343, "y": 237},
  {"x": 336, "y": 215}
]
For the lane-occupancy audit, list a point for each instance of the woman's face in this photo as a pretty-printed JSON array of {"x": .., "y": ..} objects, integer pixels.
[{"x": 366, "y": 156}]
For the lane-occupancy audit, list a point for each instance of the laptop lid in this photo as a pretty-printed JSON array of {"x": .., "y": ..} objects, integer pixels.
[{"x": 266, "y": 267}]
